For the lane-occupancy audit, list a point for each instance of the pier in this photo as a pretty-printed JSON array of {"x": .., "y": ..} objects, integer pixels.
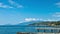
[
  {"x": 48, "y": 30},
  {"x": 36, "y": 33}
]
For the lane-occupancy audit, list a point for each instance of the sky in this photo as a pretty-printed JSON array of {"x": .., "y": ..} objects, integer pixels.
[{"x": 18, "y": 11}]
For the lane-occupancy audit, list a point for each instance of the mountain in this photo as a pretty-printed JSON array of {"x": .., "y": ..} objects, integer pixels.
[
  {"x": 47, "y": 23},
  {"x": 38, "y": 23},
  {"x": 30, "y": 22}
]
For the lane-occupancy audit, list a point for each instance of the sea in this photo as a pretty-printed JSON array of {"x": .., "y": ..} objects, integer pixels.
[{"x": 16, "y": 28}]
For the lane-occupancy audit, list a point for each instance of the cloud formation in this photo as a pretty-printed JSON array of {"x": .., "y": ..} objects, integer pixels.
[
  {"x": 39, "y": 19},
  {"x": 12, "y": 3},
  {"x": 15, "y": 4},
  {"x": 4, "y": 6},
  {"x": 33, "y": 19},
  {"x": 57, "y": 14},
  {"x": 58, "y": 4}
]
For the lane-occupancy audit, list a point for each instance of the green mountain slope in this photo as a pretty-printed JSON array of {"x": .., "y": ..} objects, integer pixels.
[{"x": 49, "y": 23}]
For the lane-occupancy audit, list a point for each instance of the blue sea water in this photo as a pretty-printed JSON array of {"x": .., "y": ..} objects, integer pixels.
[{"x": 15, "y": 29}]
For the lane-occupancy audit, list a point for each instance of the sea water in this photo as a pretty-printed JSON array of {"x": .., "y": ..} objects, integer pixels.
[{"x": 15, "y": 29}]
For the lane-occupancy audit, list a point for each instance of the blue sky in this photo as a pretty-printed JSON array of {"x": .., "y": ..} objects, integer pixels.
[{"x": 16, "y": 11}]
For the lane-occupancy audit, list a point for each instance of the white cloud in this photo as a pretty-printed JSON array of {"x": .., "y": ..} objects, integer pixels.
[
  {"x": 35, "y": 19},
  {"x": 50, "y": 20},
  {"x": 15, "y": 4},
  {"x": 31, "y": 19},
  {"x": 58, "y": 4},
  {"x": 1, "y": 4},
  {"x": 4, "y": 6},
  {"x": 57, "y": 14},
  {"x": 11, "y": 2}
]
